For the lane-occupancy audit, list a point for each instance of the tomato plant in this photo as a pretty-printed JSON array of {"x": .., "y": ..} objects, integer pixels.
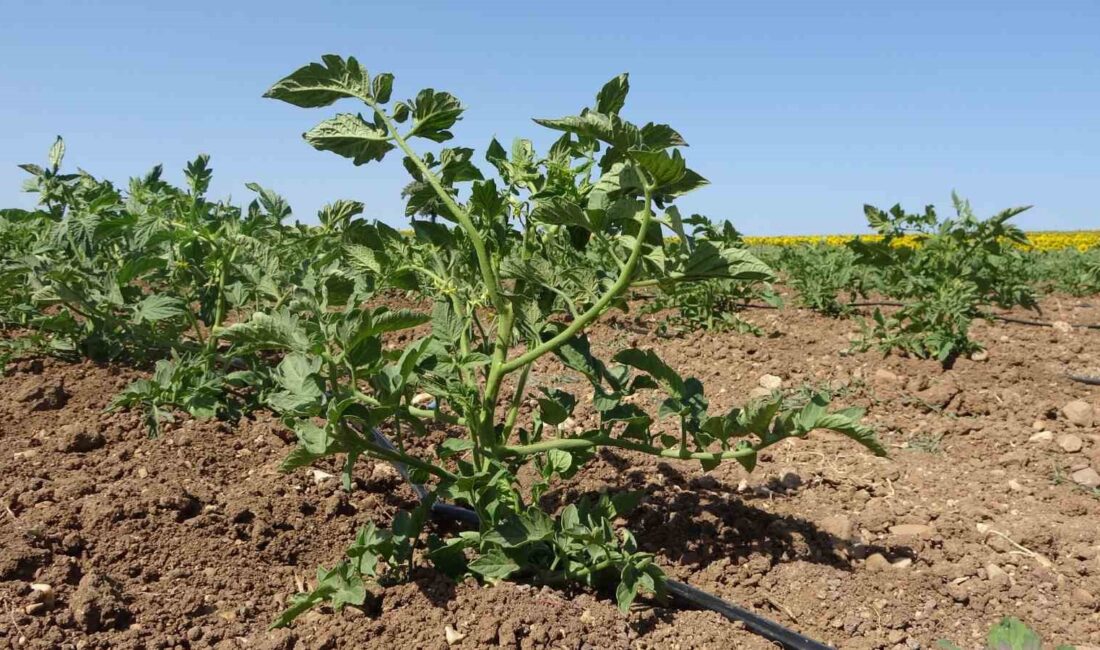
[
  {"x": 518, "y": 264},
  {"x": 956, "y": 270}
]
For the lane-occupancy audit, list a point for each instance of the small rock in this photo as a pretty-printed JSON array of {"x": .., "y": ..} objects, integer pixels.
[
  {"x": 43, "y": 594},
  {"x": 995, "y": 573},
  {"x": 903, "y": 563},
  {"x": 1083, "y": 597},
  {"x": 1086, "y": 477},
  {"x": 1062, "y": 326},
  {"x": 1070, "y": 443},
  {"x": 1015, "y": 486},
  {"x": 770, "y": 382},
  {"x": 1041, "y": 437},
  {"x": 911, "y": 530},
  {"x": 587, "y": 618},
  {"x": 877, "y": 562},
  {"x": 320, "y": 477},
  {"x": 980, "y": 355},
  {"x": 26, "y": 454},
  {"x": 421, "y": 399},
  {"x": 195, "y": 633},
  {"x": 567, "y": 425},
  {"x": 1080, "y": 413},
  {"x": 453, "y": 635},
  {"x": 77, "y": 438}
]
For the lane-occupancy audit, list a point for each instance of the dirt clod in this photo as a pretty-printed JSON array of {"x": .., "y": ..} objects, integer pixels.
[
  {"x": 78, "y": 438},
  {"x": 40, "y": 395},
  {"x": 98, "y": 603}
]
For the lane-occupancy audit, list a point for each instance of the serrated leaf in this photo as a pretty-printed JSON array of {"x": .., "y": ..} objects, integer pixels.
[
  {"x": 350, "y": 136},
  {"x": 662, "y": 167},
  {"x": 494, "y": 565},
  {"x": 433, "y": 113},
  {"x": 612, "y": 96},
  {"x": 158, "y": 307},
  {"x": 560, "y": 211},
  {"x": 321, "y": 84},
  {"x": 363, "y": 259}
]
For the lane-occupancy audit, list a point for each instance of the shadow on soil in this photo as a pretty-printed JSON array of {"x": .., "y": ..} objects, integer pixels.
[{"x": 696, "y": 523}]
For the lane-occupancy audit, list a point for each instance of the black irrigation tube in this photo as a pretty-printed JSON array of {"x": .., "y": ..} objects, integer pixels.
[
  {"x": 689, "y": 595},
  {"x": 1084, "y": 379}
]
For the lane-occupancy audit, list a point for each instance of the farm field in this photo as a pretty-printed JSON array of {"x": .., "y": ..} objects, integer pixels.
[
  {"x": 544, "y": 417},
  {"x": 195, "y": 539}
]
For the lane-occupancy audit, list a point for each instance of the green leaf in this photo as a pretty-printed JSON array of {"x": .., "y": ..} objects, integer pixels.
[
  {"x": 660, "y": 165},
  {"x": 494, "y": 565},
  {"x": 57, "y": 153},
  {"x": 648, "y": 362},
  {"x": 627, "y": 590},
  {"x": 433, "y": 113},
  {"x": 559, "y": 211},
  {"x": 386, "y": 320},
  {"x": 350, "y": 136},
  {"x": 363, "y": 259},
  {"x": 321, "y": 84},
  {"x": 158, "y": 307},
  {"x": 1012, "y": 634},
  {"x": 559, "y": 460},
  {"x": 339, "y": 587},
  {"x": 382, "y": 87},
  {"x": 279, "y": 331},
  {"x": 612, "y": 96}
]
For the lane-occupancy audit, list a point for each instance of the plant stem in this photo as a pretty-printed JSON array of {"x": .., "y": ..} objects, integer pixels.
[
  {"x": 492, "y": 285},
  {"x": 517, "y": 401},
  {"x": 680, "y": 453},
  {"x": 593, "y": 312}
]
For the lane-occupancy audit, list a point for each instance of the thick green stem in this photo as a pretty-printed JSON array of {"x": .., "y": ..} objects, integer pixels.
[
  {"x": 582, "y": 321},
  {"x": 219, "y": 298}
]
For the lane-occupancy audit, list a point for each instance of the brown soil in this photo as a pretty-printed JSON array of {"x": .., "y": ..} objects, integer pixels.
[{"x": 195, "y": 540}]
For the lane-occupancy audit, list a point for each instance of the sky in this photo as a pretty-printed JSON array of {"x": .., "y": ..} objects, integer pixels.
[{"x": 797, "y": 112}]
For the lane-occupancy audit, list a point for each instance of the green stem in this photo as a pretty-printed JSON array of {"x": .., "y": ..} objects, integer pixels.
[
  {"x": 219, "y": 310},
  {"x": 398, "y": 457},
  {"x": 517, "y": 401},
  {"x": 492, "y": 285},
  {"x": 680, "y": 453},
  {"x": 578, "y": 324}
]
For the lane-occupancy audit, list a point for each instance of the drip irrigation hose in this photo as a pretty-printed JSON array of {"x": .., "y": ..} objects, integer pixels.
[
  {"x": 685, "y": 593},
  {"x": 1084, "y": 379}
]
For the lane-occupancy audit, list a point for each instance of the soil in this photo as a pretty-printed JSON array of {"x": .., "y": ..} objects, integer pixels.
[{"x": 195, "y": 540}]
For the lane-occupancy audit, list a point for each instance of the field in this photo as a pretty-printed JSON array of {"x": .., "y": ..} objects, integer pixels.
[
  {"x": 532, "y": 419},
  {"x": 1080, "y": 240}
]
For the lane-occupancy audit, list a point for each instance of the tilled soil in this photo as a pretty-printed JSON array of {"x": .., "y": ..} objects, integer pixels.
[{"x": 195, "y": 540}]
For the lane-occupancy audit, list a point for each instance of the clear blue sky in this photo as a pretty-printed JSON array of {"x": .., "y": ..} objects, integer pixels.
[{"x": 797, "y": 112}]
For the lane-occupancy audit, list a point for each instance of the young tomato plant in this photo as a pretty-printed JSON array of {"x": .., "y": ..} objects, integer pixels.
[
  {"x": 958, "y": 268},
  {"x": 488, "y": 251}
]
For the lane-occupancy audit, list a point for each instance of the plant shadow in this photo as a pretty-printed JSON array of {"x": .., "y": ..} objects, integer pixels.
[{"x": 695, "y": 523}]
